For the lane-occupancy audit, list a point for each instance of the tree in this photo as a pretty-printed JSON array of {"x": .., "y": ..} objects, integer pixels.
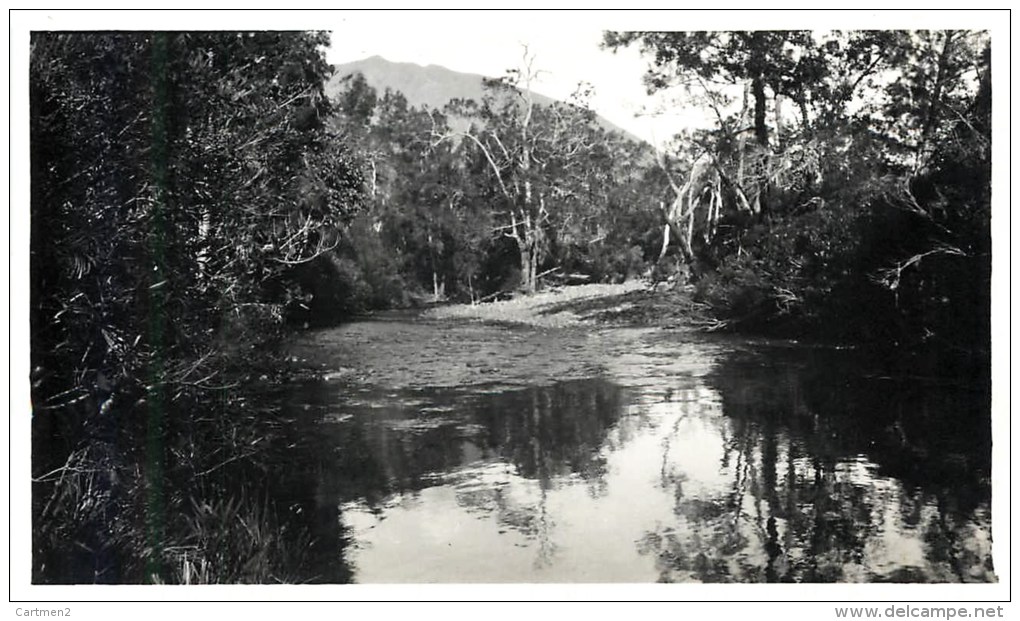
[
  {"x": 845, "y": 200},
  {"x": 423, "y": 225},
  {"x": 177, "y": 179},
  {"x": 540, "y": 158},
  {"x": 934, "y": 220},
  {"x": 427, "y": 214},
  {"x": 712, "y": 67},
  {"x": 777, "y": 60}
]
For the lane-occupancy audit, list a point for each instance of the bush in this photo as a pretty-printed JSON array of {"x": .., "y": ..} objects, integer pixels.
[{"x": 784, "y": 273}]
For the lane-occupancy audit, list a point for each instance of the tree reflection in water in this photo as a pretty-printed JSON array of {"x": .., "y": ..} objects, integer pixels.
[
  {"x": 834, "y": 479},
  {"x": 501, "y": 453},
  {"x": 774, "y": 465}
]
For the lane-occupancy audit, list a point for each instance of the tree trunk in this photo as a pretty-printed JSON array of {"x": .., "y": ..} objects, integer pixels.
[
  {"x": 932, "y": 109},
  {"x": 686, "y": 240},
  {"x": 438, "y": 287},
  {"x": 533, "y": 279},
  {"x": 527, "y": 268},
  {"x": 761, "y": 130},
  {"x": 665, "y": 241},
  {"x": 757, "y": 66},
  {"x": 741, "y": 140},
  {"x": 804, "y": 118},
  {"x": 684, "y": 233},
  {"x": 778, "y": 106}
]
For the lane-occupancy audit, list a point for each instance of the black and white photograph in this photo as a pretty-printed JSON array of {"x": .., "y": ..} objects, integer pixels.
[{"x": 500, "y": 298}]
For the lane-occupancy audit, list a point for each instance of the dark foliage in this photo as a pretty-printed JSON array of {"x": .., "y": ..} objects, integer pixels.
[
  {"x": 868, "y": 225},
  {"x": 177, "y": 179}
]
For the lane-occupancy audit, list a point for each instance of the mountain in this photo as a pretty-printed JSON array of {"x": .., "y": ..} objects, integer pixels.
[{"x": 432, "y": 85}]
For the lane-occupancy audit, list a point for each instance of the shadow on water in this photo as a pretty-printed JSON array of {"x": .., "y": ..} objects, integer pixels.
[{"x": 758, "y": 464}]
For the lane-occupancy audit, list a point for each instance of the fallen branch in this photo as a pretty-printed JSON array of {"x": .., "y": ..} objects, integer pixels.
[
  {"x": 548, "y": 271},
  {"x": 710, "y": 325},
  {"x": 491, "y": 296},
  {"x": 890, "y": 277}
]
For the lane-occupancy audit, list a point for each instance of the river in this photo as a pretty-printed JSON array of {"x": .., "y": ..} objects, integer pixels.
[{"x": 446, "y": 451}]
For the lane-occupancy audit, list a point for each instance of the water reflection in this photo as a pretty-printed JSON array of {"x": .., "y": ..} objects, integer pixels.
[
  {"x": 833, "y": 477},
  {"x": 728, "y": 463}
]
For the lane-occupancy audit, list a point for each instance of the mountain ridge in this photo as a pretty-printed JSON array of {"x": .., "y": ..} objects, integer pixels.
[{"x": 431, "y": 85}]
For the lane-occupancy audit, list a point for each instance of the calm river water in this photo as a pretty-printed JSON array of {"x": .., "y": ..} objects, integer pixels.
[{"x": 461, "y": 452}]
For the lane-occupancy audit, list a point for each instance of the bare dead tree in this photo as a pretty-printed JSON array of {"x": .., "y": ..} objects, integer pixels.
[{"x": 703, "y": 182}]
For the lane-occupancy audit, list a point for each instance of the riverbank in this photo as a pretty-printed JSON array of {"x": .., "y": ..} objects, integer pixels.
[{"x": 633, "y": 303}]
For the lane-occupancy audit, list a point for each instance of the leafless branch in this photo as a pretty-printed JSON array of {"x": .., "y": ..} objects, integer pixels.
[
  {"x": 485, "y": 152},
  {"x": 890, "y": 277}
]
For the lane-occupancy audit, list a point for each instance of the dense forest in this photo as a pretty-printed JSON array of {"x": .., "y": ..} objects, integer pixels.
[
  {"x": 844, "y": 171},
  {"x": 195, "y": 197}
]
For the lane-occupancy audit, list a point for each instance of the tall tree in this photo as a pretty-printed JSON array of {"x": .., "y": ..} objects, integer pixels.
[
  {"x": 780, "y": 61},
  {"x": 539, "y": 158}
]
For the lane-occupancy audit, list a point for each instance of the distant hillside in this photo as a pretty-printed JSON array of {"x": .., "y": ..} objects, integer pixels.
[{"x": 433, "y": 85}]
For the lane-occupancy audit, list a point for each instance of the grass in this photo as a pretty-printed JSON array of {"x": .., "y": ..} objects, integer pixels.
[
  {"x": 237, "y": 540},
  {"x": 207, "y": 516}
]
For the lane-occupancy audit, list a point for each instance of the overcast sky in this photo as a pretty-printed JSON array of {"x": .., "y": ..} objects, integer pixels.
[
  {"x": 565, "y": 49},
  {"x": 565, "y": 45}
]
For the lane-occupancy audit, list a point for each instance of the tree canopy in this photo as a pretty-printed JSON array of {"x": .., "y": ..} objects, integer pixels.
[{"x": 845, "y": 195}]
